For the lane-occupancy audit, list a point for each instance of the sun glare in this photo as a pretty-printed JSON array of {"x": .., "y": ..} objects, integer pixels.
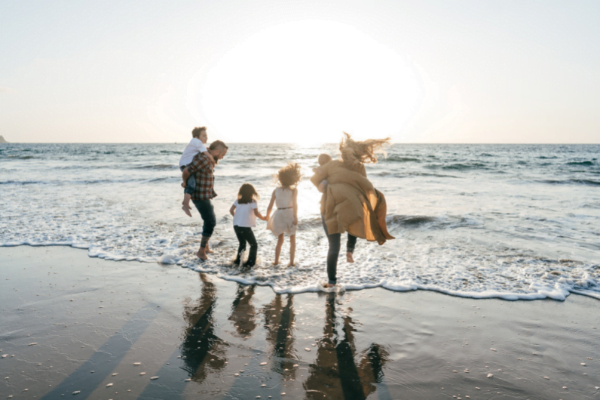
[{"x": 306, "y": 82}]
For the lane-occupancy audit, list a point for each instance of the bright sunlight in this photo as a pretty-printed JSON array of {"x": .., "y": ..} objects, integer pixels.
[{"x": 306, "y": 82}]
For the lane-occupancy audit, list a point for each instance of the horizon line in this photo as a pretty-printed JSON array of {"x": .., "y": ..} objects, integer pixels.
[{"x": 322, "y": 143}]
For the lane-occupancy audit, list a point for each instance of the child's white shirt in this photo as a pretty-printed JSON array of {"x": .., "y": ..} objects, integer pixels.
[
  {"x": 244, "y": 216},
  {"x": 194, "y": 147}
]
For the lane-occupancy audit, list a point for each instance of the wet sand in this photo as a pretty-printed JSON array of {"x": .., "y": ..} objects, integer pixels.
[{"x": 74, "y": 326}]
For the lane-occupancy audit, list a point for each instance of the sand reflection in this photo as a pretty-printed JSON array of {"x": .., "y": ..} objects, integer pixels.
[
  {"x": 202, "y": 351},
  {"x": 335, "y": 373},
  {"x": 243, "y": 312},
  {"x": 279, "y": 321}
]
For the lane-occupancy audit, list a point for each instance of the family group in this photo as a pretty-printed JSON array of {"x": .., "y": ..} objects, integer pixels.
[{"x": 349, "y": 202}]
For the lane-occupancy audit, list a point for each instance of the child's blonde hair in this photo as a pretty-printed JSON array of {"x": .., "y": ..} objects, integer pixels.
[
  {"x": 364, "y": 150},
  {"x": 290, "y": 175}
]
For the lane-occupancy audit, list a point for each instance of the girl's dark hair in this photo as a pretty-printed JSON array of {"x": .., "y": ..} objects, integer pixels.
[
  {"x": 290, "y": 175},
  {"x": 247, "y": 194}
]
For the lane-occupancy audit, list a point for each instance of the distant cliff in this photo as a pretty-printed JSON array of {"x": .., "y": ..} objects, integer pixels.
[{"x": 2, "y": 139}]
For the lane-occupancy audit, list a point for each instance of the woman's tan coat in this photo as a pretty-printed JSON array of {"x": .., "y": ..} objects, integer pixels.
[{"x": 351, "y": 203}]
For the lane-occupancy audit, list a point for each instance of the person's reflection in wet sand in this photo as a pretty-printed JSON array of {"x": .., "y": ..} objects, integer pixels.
[
  {"x": 279, "y": 321},
  {"x": 201, "y": 350},
  {"x": 242, "y": 311},
  {"x": 335, "y": 373}
]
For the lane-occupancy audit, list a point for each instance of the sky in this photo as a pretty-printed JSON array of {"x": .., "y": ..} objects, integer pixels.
[{"x": 300, "y": 71}]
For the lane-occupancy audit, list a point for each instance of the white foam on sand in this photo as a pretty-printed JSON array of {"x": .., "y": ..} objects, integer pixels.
[{"x": 456, "y": 266}]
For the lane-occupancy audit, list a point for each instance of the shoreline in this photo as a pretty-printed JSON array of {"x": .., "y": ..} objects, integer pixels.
[
  {"x": 348, "y": 288},
  {"x": 196, "y": 333}
]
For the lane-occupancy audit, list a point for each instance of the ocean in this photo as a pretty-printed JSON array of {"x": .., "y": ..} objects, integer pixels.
[{"x": 517, "y": 222}]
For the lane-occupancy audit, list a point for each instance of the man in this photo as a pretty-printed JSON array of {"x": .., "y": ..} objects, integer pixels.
[{"x": 203, "y": 169}]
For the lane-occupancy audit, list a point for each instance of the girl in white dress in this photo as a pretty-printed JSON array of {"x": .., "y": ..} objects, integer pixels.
[{"x": 285, "y": 218}]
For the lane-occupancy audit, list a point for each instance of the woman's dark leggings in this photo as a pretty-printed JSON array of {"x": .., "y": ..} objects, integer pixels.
[
  {"x": 334, "y": 251},
  {"x": 246, "y": 235}
]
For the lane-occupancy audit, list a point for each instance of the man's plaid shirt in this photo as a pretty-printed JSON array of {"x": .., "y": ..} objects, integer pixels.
[{"x": 202, "y": 169}]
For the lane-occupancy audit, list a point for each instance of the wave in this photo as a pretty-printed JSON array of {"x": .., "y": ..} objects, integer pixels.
[
  {"x": 583, "y": 163},
  {"x": 590, "y": 182},
  {"x": 409, "y": 220},
  {"x": 400, "y": 159},
  {"x": 157, "y": 166},
  {"x": 89, "y": 181},
  {"x": 458, "y": 166},
  {"x": 412, "y": 174}
]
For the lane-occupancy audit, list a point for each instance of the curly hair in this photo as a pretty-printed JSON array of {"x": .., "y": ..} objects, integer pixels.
[
  {"x": 290, "y": 175},
  {"x": 247, "y": 194},
  {"x": 364, "y": 150}
]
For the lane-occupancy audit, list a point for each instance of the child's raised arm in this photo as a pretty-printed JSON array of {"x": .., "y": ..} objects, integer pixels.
[
  {"x": 271, "y": 204},
  {"x": 295, "y": 205}
]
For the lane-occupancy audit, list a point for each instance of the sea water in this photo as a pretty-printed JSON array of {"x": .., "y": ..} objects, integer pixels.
[{"x": 506, "y": 221}]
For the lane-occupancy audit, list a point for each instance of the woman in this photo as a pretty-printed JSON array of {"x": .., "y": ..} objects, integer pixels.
[{"x": 350, "y": 203}]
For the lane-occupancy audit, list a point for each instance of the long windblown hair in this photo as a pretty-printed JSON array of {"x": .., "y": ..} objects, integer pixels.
[
  {"x": 247, "y": 194},
  {"x": 290, "y": 175},
  {"x": 363, "y": 150}
]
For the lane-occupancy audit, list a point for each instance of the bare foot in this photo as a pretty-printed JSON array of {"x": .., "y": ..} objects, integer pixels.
[
  {"x": 291, "y": 264},
  {"x": 329, "y": 285},
  {"x": 186, "y": 210},
  {"x": 349, "y": 257},
  {"x": 202, "y": 254},
  {"x": 208, "y": 250},
  {"x": 275, "y": 263}
]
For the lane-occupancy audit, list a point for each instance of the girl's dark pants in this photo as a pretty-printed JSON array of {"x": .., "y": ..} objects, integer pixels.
[
  {"x": 246, "y": 235},
  {"x": 334, "y": 251}
]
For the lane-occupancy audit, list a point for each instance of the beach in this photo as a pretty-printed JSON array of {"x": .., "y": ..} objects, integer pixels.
[{"x": 77, "y": 326}]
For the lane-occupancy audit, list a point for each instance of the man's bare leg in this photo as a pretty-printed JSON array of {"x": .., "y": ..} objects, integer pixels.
[
  {"x": 201, "y": 252},
  {"x": 185, "y": 205}
]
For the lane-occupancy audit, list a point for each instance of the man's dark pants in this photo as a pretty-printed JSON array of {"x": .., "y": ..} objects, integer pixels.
[{"x": 207, "y": 212}]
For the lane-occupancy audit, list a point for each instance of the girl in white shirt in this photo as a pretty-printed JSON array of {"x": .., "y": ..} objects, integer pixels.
[
  {"x": 195, "y": 146},
  {"x": 244, "y": 212}
]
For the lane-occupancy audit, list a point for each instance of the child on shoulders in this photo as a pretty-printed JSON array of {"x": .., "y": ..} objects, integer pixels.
[{"x": 195, "y": 146}]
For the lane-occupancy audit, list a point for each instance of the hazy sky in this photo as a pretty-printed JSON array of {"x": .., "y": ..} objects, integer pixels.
[{"x": 300, "y": 71}]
